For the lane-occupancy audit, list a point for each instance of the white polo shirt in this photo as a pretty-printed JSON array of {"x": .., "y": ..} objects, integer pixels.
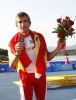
[{"x": 30, "y": 50}]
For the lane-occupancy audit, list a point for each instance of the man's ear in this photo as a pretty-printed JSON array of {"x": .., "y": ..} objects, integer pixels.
[
  {"x": 29, "y": 24},
  {"x": 16, "y": 25}
]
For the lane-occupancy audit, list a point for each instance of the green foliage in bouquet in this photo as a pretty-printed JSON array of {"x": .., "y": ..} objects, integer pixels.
[{"x": 64, "y": 28}]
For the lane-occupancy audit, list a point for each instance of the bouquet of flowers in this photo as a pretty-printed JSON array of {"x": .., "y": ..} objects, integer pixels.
[{"x": 64, "y": 28}]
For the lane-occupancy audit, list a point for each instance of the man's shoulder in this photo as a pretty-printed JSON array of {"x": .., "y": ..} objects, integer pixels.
[
  {"x": 37, "y": 33},
  {"x": 16, "y": 35}
]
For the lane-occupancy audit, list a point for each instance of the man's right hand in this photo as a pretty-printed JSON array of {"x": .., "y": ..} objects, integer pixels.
[{"x": 18, "y": 47}]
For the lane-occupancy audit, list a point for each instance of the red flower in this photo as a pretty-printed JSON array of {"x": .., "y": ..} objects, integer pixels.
[
  {"x": 71, "y": 30},
  {"x": 64, "y": 28},
  {"x": 59, "y": 20},
  {"x": 71, "y": 22},
  {"x": 66, "y": 17}
]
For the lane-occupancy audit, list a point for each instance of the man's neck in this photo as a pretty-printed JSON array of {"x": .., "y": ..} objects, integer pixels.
[{"x": 25, "y": 34}]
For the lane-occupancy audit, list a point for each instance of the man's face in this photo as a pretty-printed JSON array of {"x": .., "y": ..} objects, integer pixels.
[{"x": 23, "y": 24}]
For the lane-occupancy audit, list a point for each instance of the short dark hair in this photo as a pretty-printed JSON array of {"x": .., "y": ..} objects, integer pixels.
[{"x": 22, "y": 14}]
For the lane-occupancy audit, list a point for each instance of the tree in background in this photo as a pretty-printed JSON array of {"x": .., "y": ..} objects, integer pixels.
[{"x": 3, "y": 54}]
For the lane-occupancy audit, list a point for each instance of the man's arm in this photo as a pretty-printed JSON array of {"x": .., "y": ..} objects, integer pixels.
[
  {"x": 51, "y": 55},
  {"x": 13, "y": 59},
  {"x": 60, "y": 46}
]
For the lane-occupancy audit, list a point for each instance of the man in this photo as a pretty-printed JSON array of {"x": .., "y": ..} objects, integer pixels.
[{"x": 29, "y": 55}]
